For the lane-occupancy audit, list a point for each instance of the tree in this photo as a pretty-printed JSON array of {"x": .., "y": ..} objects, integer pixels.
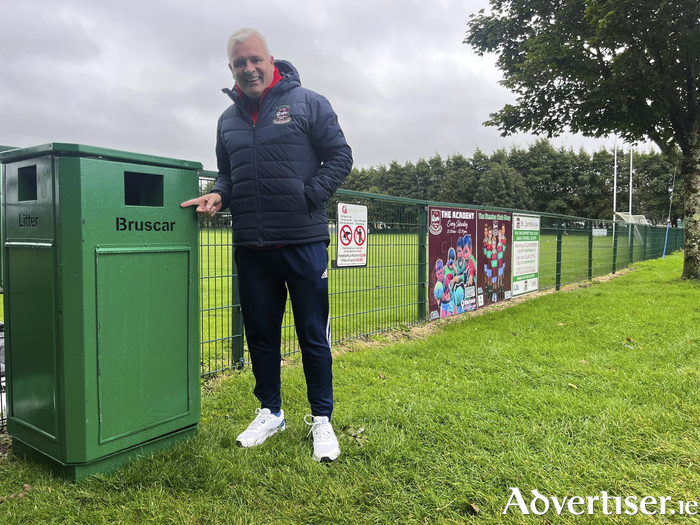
[
  {"x": 358, "y": 180},
  {"x": 501, "y": 185},
  {"x": 394, "y": 182},
  {"x": 653, "y": 177},
  {"x": 422, "y": 175},
  {"x": 460, "y": 181},
  {"x": 601, "y": 167},
  {"x": 437, "y": 177},
  {"x": 603, "y": 67}
]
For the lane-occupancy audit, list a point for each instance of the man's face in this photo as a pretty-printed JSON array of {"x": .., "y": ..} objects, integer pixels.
[
  {"x": 252, "y": 69},
  {"x": 440, "y": 273},
  {"x": 460, "y": 253}
]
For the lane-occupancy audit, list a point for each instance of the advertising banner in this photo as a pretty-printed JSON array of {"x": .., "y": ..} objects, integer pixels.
[
  {"x": 452, "y": 261},
  {"x": 352, "y": 235},
  {"x": 494, "y": 271},
  {"x": 526, "y": 254}
]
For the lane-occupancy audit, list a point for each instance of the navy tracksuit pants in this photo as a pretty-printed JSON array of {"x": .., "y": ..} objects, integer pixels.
[{"x": 264, "y": 276}]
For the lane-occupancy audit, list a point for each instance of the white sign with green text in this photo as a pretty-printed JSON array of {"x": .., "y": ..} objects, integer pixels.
[{"x": 526, "y": 254}]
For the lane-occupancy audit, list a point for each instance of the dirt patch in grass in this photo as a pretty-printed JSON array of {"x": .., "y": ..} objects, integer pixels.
[
  {"x": 609, "y": 277},
  {"x": 5, "y": 445}
]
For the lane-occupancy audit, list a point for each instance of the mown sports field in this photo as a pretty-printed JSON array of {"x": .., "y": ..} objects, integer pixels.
[{"x": 593, "y": 389}]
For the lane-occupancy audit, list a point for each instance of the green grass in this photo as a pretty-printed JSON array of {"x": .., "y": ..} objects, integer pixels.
[{"x": 593, "y": 389}]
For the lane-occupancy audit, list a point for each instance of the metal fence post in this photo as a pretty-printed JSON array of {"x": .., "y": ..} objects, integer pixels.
[
  {"x": 631, "y": 238},
  {"x": 558, "y": 267},
  {"x": 590, "y": 251},
  {"x": 614, "y": 249},
  {"x": 422, "y": 261},
  {"x": 238, "y": 358}
]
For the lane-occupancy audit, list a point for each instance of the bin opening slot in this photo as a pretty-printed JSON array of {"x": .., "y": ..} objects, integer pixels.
[
  {"x": 26, "y": 183},
  {"x": 143, "y": 189}
]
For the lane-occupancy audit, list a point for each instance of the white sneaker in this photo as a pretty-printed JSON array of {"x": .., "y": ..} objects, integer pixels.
[
  {"x": 263, "y": 426},
  {"x": 326, "y": 448}
]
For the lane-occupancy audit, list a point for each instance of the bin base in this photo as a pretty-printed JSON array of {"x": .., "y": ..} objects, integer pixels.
[{"x": 79, "y": 471}]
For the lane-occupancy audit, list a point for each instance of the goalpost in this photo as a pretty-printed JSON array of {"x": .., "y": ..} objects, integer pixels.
[{"x": 633, "y": 221}]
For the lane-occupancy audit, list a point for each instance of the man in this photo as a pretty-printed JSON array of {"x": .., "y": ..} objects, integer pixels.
[{"x": 281, "y": 155}]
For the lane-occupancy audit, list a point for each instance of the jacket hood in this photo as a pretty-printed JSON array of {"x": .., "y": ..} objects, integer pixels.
[
  {"x": 288, "y": 71},
  {"x": 289, "y": 74}
]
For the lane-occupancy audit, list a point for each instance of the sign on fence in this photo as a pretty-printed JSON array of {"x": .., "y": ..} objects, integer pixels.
[
  {"x": 526, "y": 253},
  {"x": 494, "y": 271},
  {"x": 452, "y": 233},
  {"x": 352, "y": 235}
]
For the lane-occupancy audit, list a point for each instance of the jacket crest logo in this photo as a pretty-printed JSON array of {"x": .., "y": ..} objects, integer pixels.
[{"x": 282, "y": 115}]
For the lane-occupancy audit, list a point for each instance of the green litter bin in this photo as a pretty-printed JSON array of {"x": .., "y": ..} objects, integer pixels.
[
  {"x": 2, "y": 148},
  {"x": 101, "y": 309}
]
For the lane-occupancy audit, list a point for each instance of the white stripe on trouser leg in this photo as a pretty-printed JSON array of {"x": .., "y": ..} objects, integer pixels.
[{"x": 328, "y": 330}]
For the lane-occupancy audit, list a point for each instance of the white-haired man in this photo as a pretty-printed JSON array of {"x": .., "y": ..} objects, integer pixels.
[{"x": 281, "y": 155}]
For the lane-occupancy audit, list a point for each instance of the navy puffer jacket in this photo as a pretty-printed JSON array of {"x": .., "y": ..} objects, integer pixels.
[{"x": 276, "y": 176}]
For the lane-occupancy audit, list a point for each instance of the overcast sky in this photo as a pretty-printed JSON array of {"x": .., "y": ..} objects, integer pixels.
[{"x": 146, "y": 76}]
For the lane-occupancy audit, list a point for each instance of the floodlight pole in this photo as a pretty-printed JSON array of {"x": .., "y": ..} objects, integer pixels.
[
  {"x": 615, "y": 189},
  {"x": 630, "y": 208},
  {"x": 614, "y": 209},
  {"x": 629, "y": 226},
  {"x": 670, "y": 206}
]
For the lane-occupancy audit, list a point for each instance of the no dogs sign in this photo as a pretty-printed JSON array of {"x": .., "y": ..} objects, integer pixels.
[{"x": 352, "y": 235}]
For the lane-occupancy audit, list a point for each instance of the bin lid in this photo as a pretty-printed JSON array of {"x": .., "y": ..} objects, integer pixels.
[{"x": 62, "y": 149}]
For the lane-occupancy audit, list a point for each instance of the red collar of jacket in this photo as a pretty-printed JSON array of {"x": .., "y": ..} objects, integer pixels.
[{"x": 254, "y": 107}]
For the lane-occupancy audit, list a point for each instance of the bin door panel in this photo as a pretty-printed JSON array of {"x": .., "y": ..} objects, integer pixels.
[
  {"x": 142, "y": 340},
  {"x": 32, "y": 338}
]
